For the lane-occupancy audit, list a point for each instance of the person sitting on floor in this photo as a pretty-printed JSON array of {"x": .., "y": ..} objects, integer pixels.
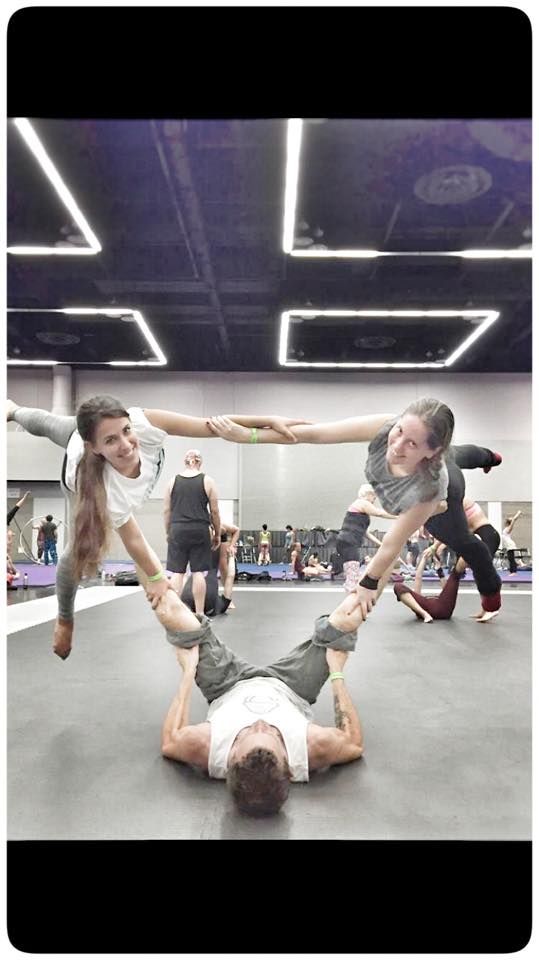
[
  {"x": 314, "y": 568},
  {"x": 432, "y": 608},
  {"x": 259, "y": 734},
  {"x": 296, "y": 564},
  {"x": 215, "y": 603}
]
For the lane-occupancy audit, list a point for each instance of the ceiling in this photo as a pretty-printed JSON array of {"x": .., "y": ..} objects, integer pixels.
[{"x": 189, "y": 216}]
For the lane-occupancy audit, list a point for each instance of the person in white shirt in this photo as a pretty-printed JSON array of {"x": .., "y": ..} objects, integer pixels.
[
  {"x": 260, "y": 734},
  {"x": 509, "y": 544},
  {"x": 114, "y": 457}
]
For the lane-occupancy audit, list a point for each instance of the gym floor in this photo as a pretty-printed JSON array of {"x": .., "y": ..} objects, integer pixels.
[{"x": 445, "y": 710}]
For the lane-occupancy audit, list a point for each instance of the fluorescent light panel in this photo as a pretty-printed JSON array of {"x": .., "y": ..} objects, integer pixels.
[
  {"x": 32, "y": 140},
  {"x": 293, "y": 150},
  {"x": 488, "y": 316},
  {"x": 106, "y": 312}
]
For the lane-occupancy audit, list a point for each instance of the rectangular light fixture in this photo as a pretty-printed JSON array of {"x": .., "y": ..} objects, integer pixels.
[
  {"x": 32, "y": 140},
  {"x": 488, "y": 317},
  {"x": 293, "y": 153},
  {"x": 105, "y": 312}
]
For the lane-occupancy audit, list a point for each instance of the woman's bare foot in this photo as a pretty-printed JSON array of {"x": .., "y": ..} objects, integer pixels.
[
  {"x": 63, "y": 634},
  {"x": 427, "y": 618},
  {"x": 487, "y": 615},
  {"x": 476, "y": 616},
  {"x": 10, "y": 409}
]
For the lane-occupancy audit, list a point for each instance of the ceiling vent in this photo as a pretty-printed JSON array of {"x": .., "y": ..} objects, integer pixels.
[
  {"x": 457, "y": 184},
  {"x": 505, "y": 138}
]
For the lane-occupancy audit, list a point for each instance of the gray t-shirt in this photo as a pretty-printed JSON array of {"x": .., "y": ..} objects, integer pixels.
[{"x": 398, "y": 494}]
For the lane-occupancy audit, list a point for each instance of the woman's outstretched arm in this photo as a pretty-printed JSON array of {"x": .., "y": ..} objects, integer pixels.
[
  {"x": 180, "y": 425},
  {"x": 351, "y": 430}
]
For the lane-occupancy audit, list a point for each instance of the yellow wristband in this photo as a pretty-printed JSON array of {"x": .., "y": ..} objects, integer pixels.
[
  {"x": 336, "y": 676},
  {"x": 254, "y": 435},
  {"x": 156, "y": 576}
]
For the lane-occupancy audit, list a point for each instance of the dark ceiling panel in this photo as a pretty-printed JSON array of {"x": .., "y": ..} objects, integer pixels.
[
  {"x": 40, "y": 336},
  {"x": 190, "y": 217},
  {"x": 441, "y": 185}
]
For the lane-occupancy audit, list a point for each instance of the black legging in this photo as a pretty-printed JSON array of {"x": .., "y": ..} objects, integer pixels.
[
  {"x": 452, "y": 527},
  {"x": 512, "y": 562},
  {"x": 490, "y": 536}
]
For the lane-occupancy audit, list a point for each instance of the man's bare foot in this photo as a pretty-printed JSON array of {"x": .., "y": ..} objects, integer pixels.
[
  {"x": 487, "y": 615},
  {"x": 427, "y": 618},
  {"x": 10, "y": 409},
  {"x": 63, "y": 634}
]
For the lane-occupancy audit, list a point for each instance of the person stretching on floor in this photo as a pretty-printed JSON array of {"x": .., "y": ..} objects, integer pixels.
[
  {"x": 431, "y": 608},
  {"x": 441, "y": 607},
  {"x": 215, "y": 603},
  {"x": 314, "y": 568},
  {"x": 259, "y": 734}
]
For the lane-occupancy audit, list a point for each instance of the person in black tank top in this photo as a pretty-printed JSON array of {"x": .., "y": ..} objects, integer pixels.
[{"x": 190, "y": 503}]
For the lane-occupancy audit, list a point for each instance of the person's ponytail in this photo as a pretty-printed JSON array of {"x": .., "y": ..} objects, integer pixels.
[{"x": 92, "y": 526}]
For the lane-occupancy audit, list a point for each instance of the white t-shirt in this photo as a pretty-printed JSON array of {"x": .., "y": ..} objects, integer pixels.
[
  {"x": 262, "y": 698},
  {"x": 124, "y": 494},
  {"x": 507, "y": 541}
]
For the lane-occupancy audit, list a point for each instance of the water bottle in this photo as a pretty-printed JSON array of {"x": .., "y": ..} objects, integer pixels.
[
  {"x": 283, "y": 576},
  {"x": 25, "y": 582}
]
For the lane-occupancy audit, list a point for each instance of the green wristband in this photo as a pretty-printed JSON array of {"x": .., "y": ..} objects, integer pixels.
[
  {"x": 336, "y": 676},
  {"x": 254, "y": 435},
  {"x": 156, "y": 576}
]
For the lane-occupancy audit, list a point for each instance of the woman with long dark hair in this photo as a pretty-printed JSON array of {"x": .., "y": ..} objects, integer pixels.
[{"x": 114, "y": 457}]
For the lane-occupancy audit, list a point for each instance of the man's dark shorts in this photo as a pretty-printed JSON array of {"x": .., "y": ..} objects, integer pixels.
[{"x": 188, "y": 544}]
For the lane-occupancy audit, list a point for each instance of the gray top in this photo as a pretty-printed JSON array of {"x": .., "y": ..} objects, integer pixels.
[{"x": 398, "y": 494}]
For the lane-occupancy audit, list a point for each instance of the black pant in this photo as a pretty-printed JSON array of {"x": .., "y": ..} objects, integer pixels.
[
  {"x": 490, "y": 536},
  {"x": 213, "y": 602},
  {"x": 452, "y": 527},
  {"x": 512, "y": 562}
]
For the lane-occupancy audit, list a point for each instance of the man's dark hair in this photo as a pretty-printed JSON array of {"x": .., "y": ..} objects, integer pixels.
[
  {"x": 259, "y": 783},
  {"x": 288, "y": 527},
  {"x": 49, "y": 517}
]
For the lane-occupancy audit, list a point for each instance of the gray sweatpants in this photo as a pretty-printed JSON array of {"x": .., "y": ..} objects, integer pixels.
[
  {"x": 59, "y": 429},
  {"x": 304, "y": 669}
]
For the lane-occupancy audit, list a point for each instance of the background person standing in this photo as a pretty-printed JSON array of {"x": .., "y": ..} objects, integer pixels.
[
  {"x": 50, "y": 536},
  {"x": 190, "y": 501}
]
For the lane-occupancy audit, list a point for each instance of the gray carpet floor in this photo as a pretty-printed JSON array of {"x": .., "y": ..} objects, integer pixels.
[{"x": 445, "y": 709}]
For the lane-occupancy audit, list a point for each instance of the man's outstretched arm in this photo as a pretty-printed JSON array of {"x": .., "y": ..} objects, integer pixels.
[
  {"x": 343, "y": 742},
  {"x": 179, "y": 740},
  {"x": 178, "y": 714}
]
